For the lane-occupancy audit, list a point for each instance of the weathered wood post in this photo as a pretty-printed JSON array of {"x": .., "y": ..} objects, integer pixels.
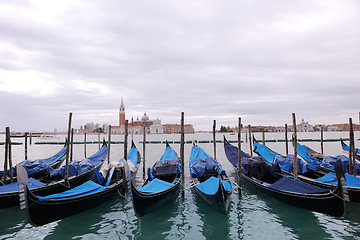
[
  {"x": 322, "y": 139},
  {"x": 30, "y": 138},
  {"x": 263, "y": 136},
  {"x": 352, "y": 149},
  {"x": 99, "y": 138},
  {"x": 144, "y": 147},
  {"x": 10, "y": 160},
  {"x": 109, "y": 143},
  {"x": 126, "y": 139},
  {"x": 295, "y": 146},
  {"x": 286, "y": 140},
  {"x": 251, "y": 153},
  {"x": 182, "y": 143},
  {"x": 71, "y": 144},
  {"x": 7, "y": 131},
  {"x": 214, "y": 138},
  {"x": 85, "y": 145},
  {"x": 239, "y": 156},
  {"x": 66, "y": 176},
  {"x": 26, "y": 145}
]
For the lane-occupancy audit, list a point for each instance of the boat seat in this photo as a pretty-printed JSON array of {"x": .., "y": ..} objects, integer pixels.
[{"x": 111, "y": 172}]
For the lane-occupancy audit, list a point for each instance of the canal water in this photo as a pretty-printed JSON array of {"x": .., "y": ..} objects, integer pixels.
[{"x": 251, "y": 216}]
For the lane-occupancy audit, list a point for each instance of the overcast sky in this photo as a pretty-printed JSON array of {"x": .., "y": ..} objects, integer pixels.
[{"x": 255, "y": 59}]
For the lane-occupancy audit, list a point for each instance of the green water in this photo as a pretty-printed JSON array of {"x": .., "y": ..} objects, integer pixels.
[{"x": 251, "y": 215}]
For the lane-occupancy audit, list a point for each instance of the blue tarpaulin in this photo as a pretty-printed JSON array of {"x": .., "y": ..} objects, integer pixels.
[
  {"x": 286, "y": 163},
  {"x": 82, "y": 166},
  {"x": 211, "y": 186},
  {"x": 86, "y": 188},
  {"x": 330, "y": 178},
  {"x": 32, "y": 166},
  {"x": 13, "y": 187},
  {"x": 156, "y": 185},
  {"x": 132, "y": 156},
  {"x": 291, "y": 185},
  {"x": 264, "y": 152},
  {"x": 200, "y": 163},
  {"x": 304, "y": 152},
  {"x": 169, "y": 154}
]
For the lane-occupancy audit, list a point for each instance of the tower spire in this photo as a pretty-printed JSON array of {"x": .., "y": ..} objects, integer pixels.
[{"x": 122, "y": 113}]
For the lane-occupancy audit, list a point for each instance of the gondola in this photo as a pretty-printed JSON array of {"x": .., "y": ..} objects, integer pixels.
[
  {"x": 267, "y": 178},
  {"x": 316, "y": 178},
  {"x": 9, "y": 196},
  {"x": 345, "y": 148},
  {"x": 162, "y": 184},
  {"x": 326, "y": 163},
  {"x": 45, "y": 209},
  {"x": 210, "y": 179},
  {"x": 37, "y": 169}
]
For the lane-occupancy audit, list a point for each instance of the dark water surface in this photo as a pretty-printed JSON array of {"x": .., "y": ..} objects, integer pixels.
[{"x": 251, "y": 216}]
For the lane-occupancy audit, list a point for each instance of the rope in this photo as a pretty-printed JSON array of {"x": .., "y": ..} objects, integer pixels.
[
  {"x": 120, "y": 194},
  {"x": 236, "y": 184}
]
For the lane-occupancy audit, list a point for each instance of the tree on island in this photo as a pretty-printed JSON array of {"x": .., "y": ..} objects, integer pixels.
[{"x": 225, "y": 129}]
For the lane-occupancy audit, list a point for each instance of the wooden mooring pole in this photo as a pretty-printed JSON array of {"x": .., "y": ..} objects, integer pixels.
[
  {"x": 286, "y": 140},
  {"x": 67, "y": 151},
  {"x": 26, "y": 145},
  {"x": 239, "y": 156},
  {"x": 322, "y": 139},
  {"x": 85, "y": 145},
  {"x": 109, "y": 143},
  {"x": 182, "y": 143},
  {"x": 10, "y": 160},
  {"x": 7, "y": 134},
  {"x": 126, "y": 139},
  {"x": 295, "y": 146},
  {"x": 250, "y": 145},
  {"x": 352, "y": 149},
  {"x": 71, "y": 144},
  {"x": 263, "y": 136},
  {"x": 214, "y": 138},
  {"x": 144, "y": 147},
  {"x": 99, "y": 138}
]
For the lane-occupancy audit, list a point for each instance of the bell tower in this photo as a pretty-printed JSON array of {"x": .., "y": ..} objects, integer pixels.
[{"x": 122, "y": 113}]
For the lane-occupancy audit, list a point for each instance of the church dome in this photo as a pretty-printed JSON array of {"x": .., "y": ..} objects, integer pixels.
[{"x": 144, "y": 118}]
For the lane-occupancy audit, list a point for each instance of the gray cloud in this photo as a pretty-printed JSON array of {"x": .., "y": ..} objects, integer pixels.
[{"x": 213, "y": 60}]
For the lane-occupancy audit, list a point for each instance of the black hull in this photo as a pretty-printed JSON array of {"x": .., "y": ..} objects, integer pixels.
[
  {"x": 40, "y": 213},
  {"x": 329, "y": 203},
  {"x": 12, "y": 199},
  {"x": 354, "y": 193},
  {"x": 147, "y": 202},
  {"x": 219, "y": 201}
]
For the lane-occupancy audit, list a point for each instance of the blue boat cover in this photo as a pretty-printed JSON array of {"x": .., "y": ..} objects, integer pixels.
[
  {"x": 232, "y": 154},
  {"x": 304, "y": 152},
  {"x": 156, "y": 185},
  {"x": 32, "y": 166},
  {"x": 286, "y": 163},
  {"x": 13, "y": 187},
  {"x": 132, "y": 156},
  {"x": 98, "y": 177},
  {"x": 346, "y": 148},
  {"x": 330, "y": 178},
  {"x": 211, "y": 186},
  {"x": 291, "y": 185},
  {"x": 264, "y": 152},
  {"x": 82, "y": 166},
  {"x": 169, "y": 154},
  {"x": 201, "y": 163},
  {"x": 86, "y": 188}
]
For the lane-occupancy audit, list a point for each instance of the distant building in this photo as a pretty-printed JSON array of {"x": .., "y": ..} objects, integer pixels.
[
  {"x": 304, "y": 127},
  {"x": 176, "y": 128},
  {"x": 152, "y": 126}
]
